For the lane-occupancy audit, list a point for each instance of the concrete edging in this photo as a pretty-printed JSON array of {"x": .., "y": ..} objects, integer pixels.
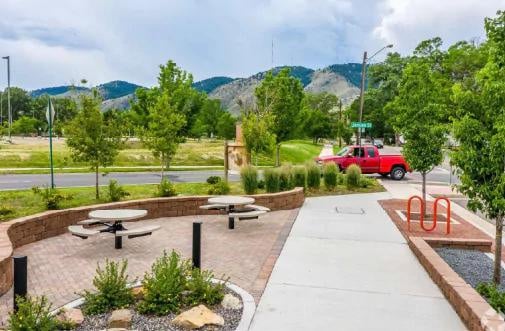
[
  {"x": 471, "y": 307},
  {"x": 25, "y": 230}
]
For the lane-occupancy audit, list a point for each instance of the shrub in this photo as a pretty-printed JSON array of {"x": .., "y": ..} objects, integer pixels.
[
  {"x": 353, "y": 173},
  {"x": 111, "y": 287},
  {"x": 220, "y": 188},
  {"x": 493, "y": 295},
  {"x": 249, "y": 177},
  {"x": 366, "y": 182},
  {"x": 5, "y": 212},
  {"x": 166, "y": 189},
  {"x": 300, "y": 177},
  {"x": 164, "y": 285},
  {"x": 286, "y": 181},
  {"x": 34, "y": 313},
  {"x": 261, "y": 184},
  {"x": 51, "y": 196},
  {"x": 116, "y": 192},
  {"x": 313, "y": 176},
  {"x": 271, "y": 180},
  {"x": 330, "y": 175},
  {"x": 213, "y": 180},
  {"x": 201, "y": 289}
]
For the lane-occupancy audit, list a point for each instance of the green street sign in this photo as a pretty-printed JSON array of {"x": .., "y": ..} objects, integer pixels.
[{"x": 362, "y": 125}]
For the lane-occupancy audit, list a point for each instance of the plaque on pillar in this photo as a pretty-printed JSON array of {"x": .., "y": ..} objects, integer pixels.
[{"x": 237, "y": 153}]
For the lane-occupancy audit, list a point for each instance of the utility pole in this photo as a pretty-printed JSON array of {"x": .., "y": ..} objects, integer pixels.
[
  {"x": 362, "y": 95},
  {"x": 1, "y": 108},
  {"x": 9, "y": 110},
  {"x": 340, "y": 124}
]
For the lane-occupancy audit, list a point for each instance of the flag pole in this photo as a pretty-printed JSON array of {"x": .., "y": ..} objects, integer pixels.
[{"x": 50, "y": 120}]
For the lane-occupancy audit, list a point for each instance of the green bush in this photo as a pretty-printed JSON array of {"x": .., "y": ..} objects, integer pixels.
[
  {"x": 271, "y": 180},
  {"x": 353, "y": 177},
  {"x": 286, "y": 181},
  {"x": 51, "y": 196},
  {"x": 166, "y": 189},
  {"x": 300, "y": 177},
  {"x": 115, "y": 191},
  {"x": 220, "y": 188},
  {"x": 313, "y": 176},
  {"x": 164, "y": 285},
  {"x": 330, "y": 175},
  {"x": 111, "y": 287},
  {"x": 34, "y": 313},
  {"x": 249, "y": 178},
  {"x": 493, "y": 295},
  {"x": 365, "y": 182},
  {"x": 213, "y": 180},
  {"x": 261, "y": 184},
  {"x": 200, "y": 288},
  {"x": 5, "y": 212}
]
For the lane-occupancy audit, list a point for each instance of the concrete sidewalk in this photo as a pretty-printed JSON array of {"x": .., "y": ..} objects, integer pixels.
[{"x": 350, "y": 270}]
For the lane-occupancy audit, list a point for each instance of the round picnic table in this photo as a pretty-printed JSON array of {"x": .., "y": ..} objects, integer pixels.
[
  {"x": 230, "y": 201},
  {"x": 113, "y": 220}
]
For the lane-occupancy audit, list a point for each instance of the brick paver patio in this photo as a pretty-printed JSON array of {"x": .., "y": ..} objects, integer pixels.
[{"x": 59, "y": 267}]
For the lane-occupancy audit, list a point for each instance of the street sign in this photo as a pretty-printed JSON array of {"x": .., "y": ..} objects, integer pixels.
[
  {"x": 50, "y": 111},
  {"x": 362, "y": 125}
]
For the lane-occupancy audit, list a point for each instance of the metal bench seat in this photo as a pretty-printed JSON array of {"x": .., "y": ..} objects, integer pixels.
[
  {"x": 247, "y": 214},
  {"x": 213, "y": 207},
  {"x": 81, "y": 232},
  {"x": 138, "y": 232}
]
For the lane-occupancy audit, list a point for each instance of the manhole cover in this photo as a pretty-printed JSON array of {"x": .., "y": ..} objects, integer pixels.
[{"x": 349, "y": 210}]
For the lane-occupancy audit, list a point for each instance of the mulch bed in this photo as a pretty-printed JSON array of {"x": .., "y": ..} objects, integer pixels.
[{"x": 156, "y": 323}]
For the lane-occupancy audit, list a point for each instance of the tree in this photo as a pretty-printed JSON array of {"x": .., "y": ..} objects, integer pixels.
[
  {"x": 257, "y": 134},
  {"x": 25, "y": 125},
  {"x": 421, "y": 109},
  {"x": 91, "y": 139},
  {"x": 21, "y": 103},
  {"x": 480, "y": 129},
  {"x": 281, "y": 96},
  {"x": 226, "y": 126},
  {"x": 318, "y": 121}
]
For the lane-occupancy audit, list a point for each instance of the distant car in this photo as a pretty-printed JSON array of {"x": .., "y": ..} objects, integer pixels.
[
  {"x": 378, "y": 143},
  {"x": 369, "y": 160}
]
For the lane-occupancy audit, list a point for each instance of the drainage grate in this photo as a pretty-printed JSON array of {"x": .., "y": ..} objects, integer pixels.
[{"x": 350, "y": 210}]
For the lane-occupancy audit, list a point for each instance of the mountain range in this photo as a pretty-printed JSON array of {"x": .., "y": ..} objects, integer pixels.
[{"x": 340, "y": 79}]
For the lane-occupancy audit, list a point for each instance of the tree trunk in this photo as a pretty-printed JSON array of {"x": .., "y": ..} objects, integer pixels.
[
  {"x": 97, "y": 191},
  {"x": 497, "y": 251},
  {"x": 278, "y": 155},
  {"x": 397, "y": 139},
  {"x": 162, "y": 166},
  {"x": 424, "y": 193}
]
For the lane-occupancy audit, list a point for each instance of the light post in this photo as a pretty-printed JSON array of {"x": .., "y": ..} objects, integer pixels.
[
  {"x": 362, "y": 89},
  {"x": 9, "y": 112}
]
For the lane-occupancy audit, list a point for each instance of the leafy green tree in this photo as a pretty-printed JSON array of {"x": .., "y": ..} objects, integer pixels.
[
  {"x": 421, "y": 109},
  {"x": 258, "y": 137},
  {"x": 226, "y": 126},
  {"x": 318, "y": 118},
  {"x": 281, "y": 96},
  {"x": 480, "y": 129},
  {"x": 21, "y": 103},
  {"x": 91, "y": 139},
  {"x": 25, "y": 125}
]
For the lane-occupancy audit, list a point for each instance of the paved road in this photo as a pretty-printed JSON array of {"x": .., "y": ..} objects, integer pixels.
[
  {"x": 10, "y": 182},
  {"x": 350, "y": 270}
]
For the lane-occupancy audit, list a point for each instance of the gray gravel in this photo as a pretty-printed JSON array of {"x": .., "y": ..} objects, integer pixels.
[
  {"x": 473, "y": 266},
  {"x": 154, "y": 323}
]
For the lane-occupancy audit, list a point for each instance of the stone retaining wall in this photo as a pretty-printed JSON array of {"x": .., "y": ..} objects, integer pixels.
[
  {"x": 25, "y": 230},
  {"x": 473, "y": 310}
]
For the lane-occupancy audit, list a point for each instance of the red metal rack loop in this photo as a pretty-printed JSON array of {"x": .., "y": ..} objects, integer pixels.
[
  {"x": 447, "y": 215},
  {"x": 409, "y": 203}
]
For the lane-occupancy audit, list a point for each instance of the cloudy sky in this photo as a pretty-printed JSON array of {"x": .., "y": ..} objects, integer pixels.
[{"x": 57, "y": 42}]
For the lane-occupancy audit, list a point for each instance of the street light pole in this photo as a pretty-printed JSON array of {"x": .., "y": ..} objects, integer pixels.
[
  {"x": 9, "y": 112},
  {"x": 362, "y": 89}
]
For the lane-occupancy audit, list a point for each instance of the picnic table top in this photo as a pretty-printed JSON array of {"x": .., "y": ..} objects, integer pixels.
[
  {"x": 231, "y": 200},
  {"x": 117, "y": 214}
]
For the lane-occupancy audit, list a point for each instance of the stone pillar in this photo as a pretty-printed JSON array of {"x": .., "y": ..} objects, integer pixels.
[{"x": 237, "y": 153}]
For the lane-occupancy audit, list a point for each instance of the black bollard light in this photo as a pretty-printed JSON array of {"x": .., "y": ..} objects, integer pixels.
[
  {"x": 20, "y": 278},
  {"x": 197, "y": 244}
]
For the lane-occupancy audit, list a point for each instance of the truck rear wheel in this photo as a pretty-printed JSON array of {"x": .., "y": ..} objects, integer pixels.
[{"x": 397, "y": 173}]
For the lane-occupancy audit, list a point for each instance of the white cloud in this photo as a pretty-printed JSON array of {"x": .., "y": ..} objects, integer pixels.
[{"x": 54, "y": 42}]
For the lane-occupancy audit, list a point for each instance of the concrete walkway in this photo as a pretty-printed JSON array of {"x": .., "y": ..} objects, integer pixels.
[{"x": 350, "y": 270}]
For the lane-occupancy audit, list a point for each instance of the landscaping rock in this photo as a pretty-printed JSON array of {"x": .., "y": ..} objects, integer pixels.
[
  {"x": 138, "y": 293},
  {"x": 197, "y": 317},
  {"x": 231, "y": 302},
  {"x": 121, "y": 318},
  {"x": 72, "y": 315}
]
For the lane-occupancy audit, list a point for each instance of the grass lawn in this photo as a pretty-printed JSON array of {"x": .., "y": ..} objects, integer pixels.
[
  {"x": 33, "y": 153},
  {"x": 24, "y": 202}
]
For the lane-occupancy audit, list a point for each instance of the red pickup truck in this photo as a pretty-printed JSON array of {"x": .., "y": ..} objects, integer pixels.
[{"x": 369, "y": 160}]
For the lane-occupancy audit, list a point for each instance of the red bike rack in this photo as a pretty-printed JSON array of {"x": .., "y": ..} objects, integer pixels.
[
  {"x": 435, "y": 206},
  {"x": 447, "y": 215},
  {"x": 408, "y": 209}
]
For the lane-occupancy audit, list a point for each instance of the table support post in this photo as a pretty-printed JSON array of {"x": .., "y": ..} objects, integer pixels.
[
  {"x": 119, "y": 242},
  {"x": 231, "y": 223}
]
